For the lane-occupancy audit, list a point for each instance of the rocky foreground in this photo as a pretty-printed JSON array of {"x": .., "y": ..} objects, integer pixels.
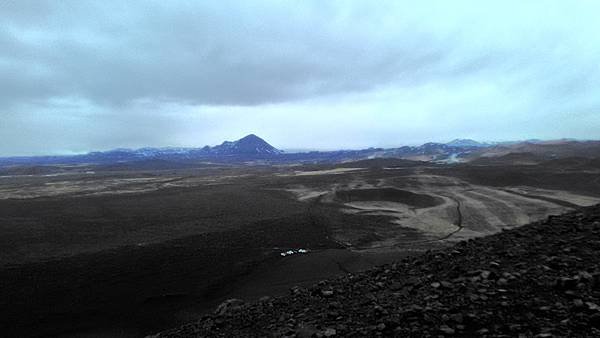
[{"x": 539, "y": 280}]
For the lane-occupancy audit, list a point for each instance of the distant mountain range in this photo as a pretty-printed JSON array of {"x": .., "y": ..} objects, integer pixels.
[
  {"x": 466, "y": 143},
  {"x": 256, "y": 150},
  {"x": 247, "y": 148}
]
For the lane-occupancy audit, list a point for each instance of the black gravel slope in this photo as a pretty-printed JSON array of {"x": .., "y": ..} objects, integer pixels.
[{"x": 540, "y": 280}]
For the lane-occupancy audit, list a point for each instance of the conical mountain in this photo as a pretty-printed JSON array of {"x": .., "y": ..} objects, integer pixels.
[{"x": 248, "y": 145}]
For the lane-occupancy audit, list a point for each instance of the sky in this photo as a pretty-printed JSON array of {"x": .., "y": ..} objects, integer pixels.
[{"x": 77, "y": 76}]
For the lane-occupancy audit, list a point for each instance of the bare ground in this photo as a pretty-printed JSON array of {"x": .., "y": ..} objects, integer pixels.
[{"x": 142, "y": 251}]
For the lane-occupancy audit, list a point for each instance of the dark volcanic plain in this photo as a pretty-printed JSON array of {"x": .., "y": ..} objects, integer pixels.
[
  {"x": 540, "y": 280},
  {"x": 129, "y": 251}
]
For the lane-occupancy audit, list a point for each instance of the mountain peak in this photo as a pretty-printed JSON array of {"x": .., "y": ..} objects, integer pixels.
[
  {"x": 248, "y": 145},
  {"x": 465, "y": 143},
  {"x": 250, "y": 136}
]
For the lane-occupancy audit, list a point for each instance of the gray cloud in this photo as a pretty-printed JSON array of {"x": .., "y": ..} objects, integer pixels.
[
  {"x": 88, "y": 65},
  {"x": 206, "y": 54}
]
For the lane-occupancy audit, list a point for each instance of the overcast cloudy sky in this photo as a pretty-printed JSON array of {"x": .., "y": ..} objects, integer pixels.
[{"x": 78, "y": 76}]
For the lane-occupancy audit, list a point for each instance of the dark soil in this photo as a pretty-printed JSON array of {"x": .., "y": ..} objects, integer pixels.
[
  {"x": 143, "y": 289},
  {"x": 539, "y": 280},
  {"x": 540, "y": 176},
  {"x": 131, "y": 264},
  {"x": 388, "y": 194},
  {"x": 40, "y": 228}
]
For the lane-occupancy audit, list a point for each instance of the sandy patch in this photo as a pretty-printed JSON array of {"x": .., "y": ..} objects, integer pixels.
[
  {"x": 335, "y": 171},
  {"x": 304, "y": 193},
  {"x": 580, "y": 200},
  {"x": 483, "y": 210}
]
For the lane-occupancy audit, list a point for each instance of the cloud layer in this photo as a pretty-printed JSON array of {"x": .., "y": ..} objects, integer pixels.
[{"x": 77, "y": 75}]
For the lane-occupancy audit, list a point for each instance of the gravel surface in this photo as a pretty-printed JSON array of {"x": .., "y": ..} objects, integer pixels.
[{"x": 539, "y": 280}]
